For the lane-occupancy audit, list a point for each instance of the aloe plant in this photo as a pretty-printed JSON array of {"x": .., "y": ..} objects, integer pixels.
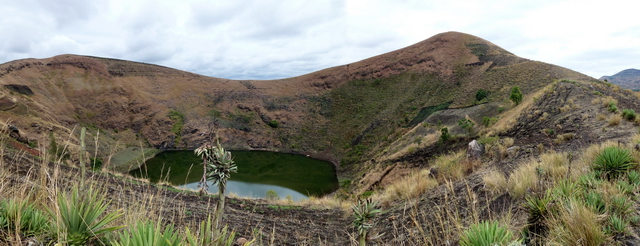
[
  {"x": 81, "y": 219},
  {"x": 21, "y": 217},
  {"x": 486, "y": 233},
  {"x": 219, "y": 165},
  {"x": 364, "y": 212},
  {"x": 148, "y": 234}
]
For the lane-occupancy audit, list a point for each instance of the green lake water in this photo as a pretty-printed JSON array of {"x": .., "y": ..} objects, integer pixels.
[{"x": 258, "y": 172}]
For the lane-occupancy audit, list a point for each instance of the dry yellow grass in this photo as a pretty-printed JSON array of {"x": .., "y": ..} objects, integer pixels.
[
  {"x": 408, "y": 188},
  {"x": 524, "y": 178},
  {"x": 562, "y": 138},
  {"x": 495, "y": 181},
  {"x": 554, "y": 164},
  {"x": 609, "y": 99},
  {"x": 601, "y": 116},
  {"x": 576, "y": 225},
  {"x": 614, "y": 119},
  {"x": 452, "y": 166}
]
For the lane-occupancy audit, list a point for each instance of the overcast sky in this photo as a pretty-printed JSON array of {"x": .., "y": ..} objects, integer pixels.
[{"x": 242, "y": 39}]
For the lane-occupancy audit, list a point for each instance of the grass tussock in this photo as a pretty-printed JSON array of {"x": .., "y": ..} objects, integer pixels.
[
  {"x": 495, "y": 181},
  {"x": 563, "y": 138},
  {"x": 407, "y": 189},
  {"x": 614, "y": 119},
  {"x": 524, "y": 179},
  {"x": 453, "y": 166},
  {"x": 577, "y": 224}
]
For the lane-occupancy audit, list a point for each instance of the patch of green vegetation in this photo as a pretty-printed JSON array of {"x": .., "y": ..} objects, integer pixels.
[
  {"x": 516, "y": 95},
  {"x": 629, "y": 114},
  {"x": 444, "y": 135},
  {"x": 273, "y": 124},
  {"x": 178, "y": 124},
  {"x": 488, "y": 121},
  {"x": 479, "y": 50},
  {"x": 481, "y": 94},
  {"x": 279, "y": 103},
  {"x": 96, "y": 162},
  {"x": 426, "y": 112}
]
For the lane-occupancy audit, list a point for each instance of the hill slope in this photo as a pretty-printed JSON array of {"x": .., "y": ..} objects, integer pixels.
[
  {"x": 627, "y": 79},
  {"x": 342, "y": 113}
]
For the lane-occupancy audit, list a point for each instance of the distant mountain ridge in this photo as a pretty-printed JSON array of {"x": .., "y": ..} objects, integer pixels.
[{"x": 627, "y": 79}]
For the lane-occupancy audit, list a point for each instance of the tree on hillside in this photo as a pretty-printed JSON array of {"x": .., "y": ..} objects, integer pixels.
[
  {"x": 516, "y": 95},
  {"x": 219, "y": 165},
  {"x": 481, "y": 94}
]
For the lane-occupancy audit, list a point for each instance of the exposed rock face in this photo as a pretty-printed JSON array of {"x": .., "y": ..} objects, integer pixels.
[
  {"x": 475, "y": 150},
  {"x": 22, "y": 89}
]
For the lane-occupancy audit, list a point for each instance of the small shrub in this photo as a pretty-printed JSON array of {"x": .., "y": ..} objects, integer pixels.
[
  {"x": 274, "y": 124},
  {"x": 500, "y": 110},
  {"x": 611, "y": 106},
  {"x": 272, "y": 195},
  {"x": 488, "y": 121},
  {"x": 613, "y": 162},
  {"x": 629, "y": 114},
  {"x": 466, "y": 124},
  {"x": 481, "y": 94},
  {"x": 516, "y": 95},
  {"x": 444, "y": 136},
  {"x": 486, "y": 233}
]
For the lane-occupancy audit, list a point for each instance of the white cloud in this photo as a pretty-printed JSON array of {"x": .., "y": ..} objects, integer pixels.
[{"x": 275, "y": 39}]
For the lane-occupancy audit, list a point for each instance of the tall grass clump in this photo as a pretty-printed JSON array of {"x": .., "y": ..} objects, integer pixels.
[
  {"x": 486, "y": 233},
  {"x": 81, "y": 218},
  {"x": 612, "y": 162},
  {"x": 576, "y": 224},
  {"x": 523, "y": 179}
]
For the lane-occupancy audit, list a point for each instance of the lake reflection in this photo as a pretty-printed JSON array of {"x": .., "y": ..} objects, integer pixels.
[
  {"x": 258, "y": 172},
  {"x": 245, "y": 189}
]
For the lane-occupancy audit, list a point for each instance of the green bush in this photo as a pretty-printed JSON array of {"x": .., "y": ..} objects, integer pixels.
[
  {"x": 445, "y": 135},
  {"x": 486, "y": 233},
  {"x": 274, "y": 124},
  {"x": 272, "y": 195},
  {"x": 612, "y": 107},
  {"x": 629, "y": 114},
  {"x": 613, "y": 162},
  {"x": 488, "y": 121},
  {"x": 481, "y": 94},
  {"x": 516, "y": 95}
]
